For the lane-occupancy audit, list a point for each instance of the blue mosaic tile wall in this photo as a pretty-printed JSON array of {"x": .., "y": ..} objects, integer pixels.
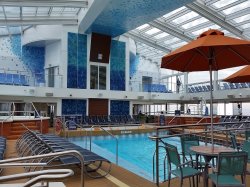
[
  {"x": 133, "y": 64},
  {"x": 117, "y": 65},
  {"x": 73, "y": 106},
  {"x": 118, "y": 107},
  {"x": 33, "y": 58},
  {"x": 77, "y": 61}
]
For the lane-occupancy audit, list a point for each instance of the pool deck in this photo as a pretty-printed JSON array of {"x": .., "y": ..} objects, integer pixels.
[{"x": 118, "y": 176}]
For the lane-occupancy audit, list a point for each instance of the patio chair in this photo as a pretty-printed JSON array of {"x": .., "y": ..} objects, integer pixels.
[
  {"x": 186, "y": 143},
  {"x": 230, "y": 164},
  {"x": 181, "y": 170}
]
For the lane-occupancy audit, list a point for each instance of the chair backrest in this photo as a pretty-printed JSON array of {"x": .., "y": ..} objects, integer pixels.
[
  {"x": 246, "y": 148},
  {"x": 232, "y": 163},
  {"x": 187, "y": 142},
  {"x": 247, "y": 135},
  {"x": 233, "y": 140},
  {"x": 172, "y": 154}
]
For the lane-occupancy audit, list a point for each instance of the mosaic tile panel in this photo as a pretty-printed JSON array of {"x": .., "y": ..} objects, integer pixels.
[
  {"x": 77, "y": 60},
  {"x": 72, "y": 61},
  {"x": 117, "y": 65},
  {"x": 73, "y": 106},
  {"x": 133, "y": 63},
  {"x": 118, "y": 107}
]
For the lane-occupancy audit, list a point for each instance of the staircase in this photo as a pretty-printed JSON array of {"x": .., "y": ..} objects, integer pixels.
[{"x": 17, "y": 129}]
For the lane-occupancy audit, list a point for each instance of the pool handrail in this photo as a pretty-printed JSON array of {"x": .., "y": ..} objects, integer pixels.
[
  {"x": 12, "y": 162},
  {"x": 109, "y": 133},
  {"x": 41, "y": 119},
  {"x": 158, "y": 138}
]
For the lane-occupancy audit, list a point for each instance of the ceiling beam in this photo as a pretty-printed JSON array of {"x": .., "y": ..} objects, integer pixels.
[
  {"x": 45, "y": 3},
  {"x": 170, "y": 30},
  {"x": 215, "y": 18},
  {"x": 147, "y": 41},
  {"x": 39, "y": 21}
]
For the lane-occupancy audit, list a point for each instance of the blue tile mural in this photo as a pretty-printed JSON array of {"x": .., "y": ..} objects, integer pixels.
[
  {"x": 117, "y": 65},
  {"x": 77, "y": 61},
  {"x": 133, "y": 63},
  {"x": 119, "y": 17},
  {"x": 73, "y": 106},
  {"x": 118, "y": 107},
  {"x": 33, "y": 58}
]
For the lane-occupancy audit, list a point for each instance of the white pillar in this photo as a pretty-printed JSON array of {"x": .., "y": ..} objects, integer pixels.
[{"x": 215, "y": 81}]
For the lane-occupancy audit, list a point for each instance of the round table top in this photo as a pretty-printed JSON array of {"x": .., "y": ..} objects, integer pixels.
[{"x": 209, "y": 150}]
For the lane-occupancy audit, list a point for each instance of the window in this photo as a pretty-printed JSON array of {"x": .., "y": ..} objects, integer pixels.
[{"x": 98, "y": 77}]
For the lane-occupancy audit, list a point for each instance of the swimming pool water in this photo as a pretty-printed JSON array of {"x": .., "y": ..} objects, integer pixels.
[{"x": 135, "y": 151}]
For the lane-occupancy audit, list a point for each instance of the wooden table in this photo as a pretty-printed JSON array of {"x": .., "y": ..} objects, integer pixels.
[{"x": 208, "y": 152}]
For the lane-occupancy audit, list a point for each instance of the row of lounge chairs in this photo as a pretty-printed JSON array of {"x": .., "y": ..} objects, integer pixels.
[
  {"x": 233, "y": 122},
  {"x": 197, "y": 89},
  {"x": 111, "y": 120},
  {"x": 33, "y": 143},
  {"x": 228, "y": 86}
]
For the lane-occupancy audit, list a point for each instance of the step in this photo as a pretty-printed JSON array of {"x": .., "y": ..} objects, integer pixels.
[
  {"x": 22, "y": 128},
  {"x": 13, "y": 137}
]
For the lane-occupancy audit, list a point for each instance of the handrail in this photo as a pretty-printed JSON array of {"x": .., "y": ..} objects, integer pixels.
[
  {"x": 200, "y": 120},
  {"x": 41, "y": 125},
  {"x": 116, "y": 139},
  {"x": 7, "y": 163},
  {"x": 171, "y": 120},
  {"x": 157, "y": 138},
  {"x": 39, "y": 176}
]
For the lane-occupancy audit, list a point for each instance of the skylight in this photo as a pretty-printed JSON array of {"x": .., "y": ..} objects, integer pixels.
[
  {"x": 171, "y": 40},
  {"x": 173, "y": 12},
  {"x": 152, "y": 31},
  {"x": 194, "y": 23},
  {"x": 242, "y": 18},
  {"x": 178, "y": 45},
  {"x": 237, "y": 8},
  {"x": 223, "y": 3},
  {"x": 245, "y": 26},
  {"x": 162, "y": 35},
  {"x": 198, "y": 32},
  {"x": 185, "y": 17},
  {"x": 142, "y": 26}
]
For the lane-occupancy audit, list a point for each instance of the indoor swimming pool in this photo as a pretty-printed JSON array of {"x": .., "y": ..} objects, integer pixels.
[{"x": 135, "y": 151}]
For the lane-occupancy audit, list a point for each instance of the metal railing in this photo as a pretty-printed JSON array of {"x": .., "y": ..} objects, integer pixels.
[
  {"x": 41, "y": 175},
  {"x": 158, "y": 138},
  {"x": 109, "y": 133}
]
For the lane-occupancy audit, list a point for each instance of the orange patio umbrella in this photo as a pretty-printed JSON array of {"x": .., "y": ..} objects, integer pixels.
[
  {"x": 243, "y": 75},
  {"x": 211, "y": 51}
]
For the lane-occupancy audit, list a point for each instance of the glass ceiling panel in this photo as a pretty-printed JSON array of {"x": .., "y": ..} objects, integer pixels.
[
  {"x": 242, "y": 18},
  {"x": 162, "y": 35},
  {"x": 198, "y": 32},
  {"x": 172, "y": 40},
  {"x": 15, "y": 30},
  {"x": 173, "y": 12},
  {"x": 185, "y": 17},
  {"x": 223, "y": 3},
  {"x": 245, "y": 26},
  {"x": 178, "y": 45},
  {"x": 142, "y": 26},
  {"x": 237, "y": 8},
  {"x": 195, "y": 23},
  {"x": 152, "y": 31}
]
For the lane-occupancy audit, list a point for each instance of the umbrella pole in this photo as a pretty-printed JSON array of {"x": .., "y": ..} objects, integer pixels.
[{"x": 211, "y": 102}]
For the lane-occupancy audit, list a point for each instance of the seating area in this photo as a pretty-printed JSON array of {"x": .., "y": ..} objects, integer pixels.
[
  {"x": 33, "y": 143},
  {"x": 13, "y": 79},
  {"x": 198, "y": 88},
  {"x": 228, "y": 86},
  {"x": 155, "y": 88},
  {"x": 112, "y": 120}
]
